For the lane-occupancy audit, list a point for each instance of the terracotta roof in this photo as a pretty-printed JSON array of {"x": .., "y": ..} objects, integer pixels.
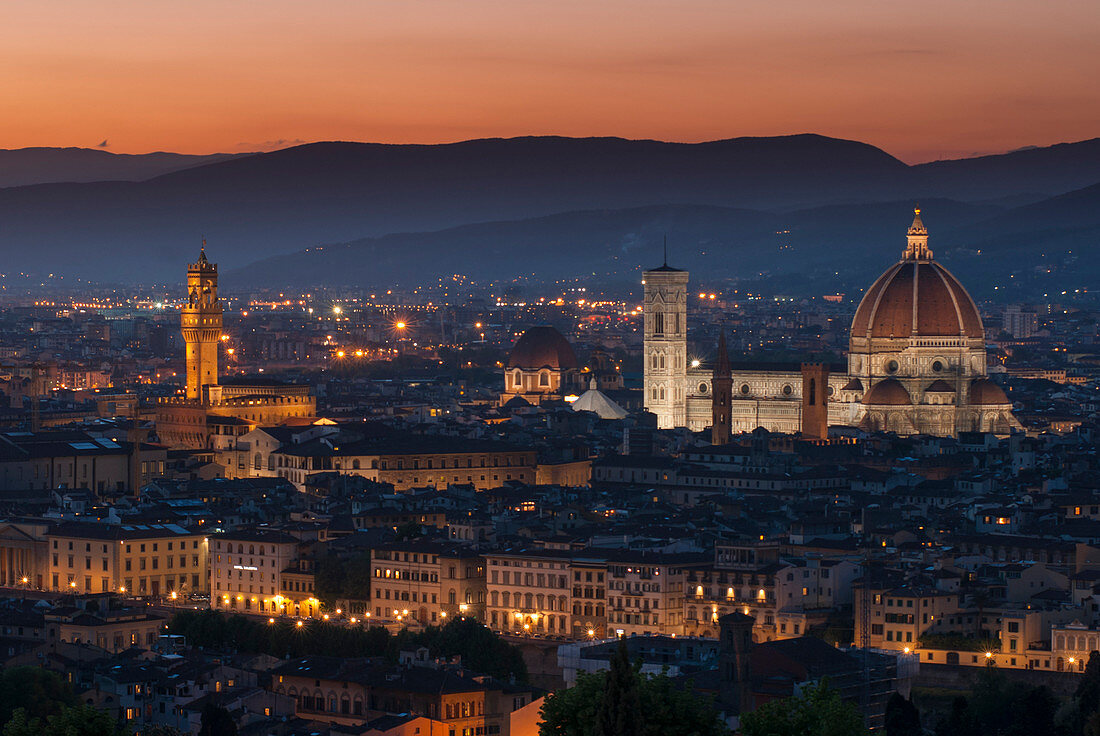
[
  {"x": 542, "y": 347},
  {"x": 853, "y": 385},
  {"x": 984, "y": 391},
  {"x": 917, "y": 298},
  {"x": 889, "y": 393},
  {"x": 940, "y": 386}
]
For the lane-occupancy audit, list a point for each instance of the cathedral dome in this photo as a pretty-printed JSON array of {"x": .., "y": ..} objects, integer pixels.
[
  {"x": 983, "y": 391},
  {"x": 917, "y": 297},
  {"x": 888, "y": 393},
  {"x": 542, "y": 347}
]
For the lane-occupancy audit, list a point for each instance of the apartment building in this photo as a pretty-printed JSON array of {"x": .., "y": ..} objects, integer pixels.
[
  {"x": 136, "y": 559},
  {"x": 807, "y": 589},
  {"x": 407, "y": 461},
  {"x": 529, "y": 592},
  {"x": 246, "y": 569},
  {"x": 645, "y": 591},
  {"x": 589, "y": 580},
  {"x": 427, "y": 582},
  {"x": 74, "y": 459},
  {"x": 898, "y": 617},
  {"x": 711, "y": 592}
]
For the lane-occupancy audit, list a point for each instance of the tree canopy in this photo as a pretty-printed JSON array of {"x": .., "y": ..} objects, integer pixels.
[
  {"x": 479, "y": 648},
  {"x": 998, "y": 706},
  {"x": 79, "y": 720},
  {"x": 818, "y": 711},
  {"x": 40, "y": 693},
  {"x": 624, "y": 702}
]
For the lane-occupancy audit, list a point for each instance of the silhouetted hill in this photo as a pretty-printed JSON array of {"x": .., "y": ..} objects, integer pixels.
[
  {"x": 616, "y": 245},
  {"x": 1035, "y": 172},
  {"x": 267, "y": 204},
  {"x": 26, "y": 166},
  {"x": 1049, "y": 245}
]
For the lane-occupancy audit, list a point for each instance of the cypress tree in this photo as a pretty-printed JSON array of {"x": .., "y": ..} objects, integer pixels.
[{"x": 619, "y": 710}]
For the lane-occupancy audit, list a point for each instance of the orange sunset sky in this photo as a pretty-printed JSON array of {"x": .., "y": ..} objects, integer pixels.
[{"x": 923, "y": 80}]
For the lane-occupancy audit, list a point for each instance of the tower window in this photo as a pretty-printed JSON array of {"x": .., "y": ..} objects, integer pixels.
[
  {"x": 659, "y": 323},
  {"x": 813, "y": 391}
]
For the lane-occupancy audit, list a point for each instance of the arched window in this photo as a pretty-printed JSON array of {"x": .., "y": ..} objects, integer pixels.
[
  {"x": 813, "y": 391},
  {"x": 257, "y": 462},
  {"x": 355, "y": 465},
  {"x": 544, "y": 379}
]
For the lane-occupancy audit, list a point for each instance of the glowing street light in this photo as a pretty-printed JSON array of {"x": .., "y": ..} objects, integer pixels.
[{"x": 337, "y": 310}]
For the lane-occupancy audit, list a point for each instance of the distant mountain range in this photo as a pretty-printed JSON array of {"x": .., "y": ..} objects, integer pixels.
[
  {"x": 25, "y": 166},
  {"x": 555, "y": 207}
]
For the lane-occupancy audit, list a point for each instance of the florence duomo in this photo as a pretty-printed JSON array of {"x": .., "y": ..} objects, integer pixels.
[
  {"x": 345, "y": 389},
  {"x": 916, "y": 361}
]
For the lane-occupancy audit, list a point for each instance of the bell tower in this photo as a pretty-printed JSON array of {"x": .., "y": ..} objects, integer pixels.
[
  {"x": 721, "y": 395},
  {"x": 665, "y": 345},
  {"x": 201, "y": 324}
]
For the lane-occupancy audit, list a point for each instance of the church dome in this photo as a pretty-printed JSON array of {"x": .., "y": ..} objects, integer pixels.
[
  {"x": 917, "y": 297},
  {"x": 983, "y": 391},
  {"x": 542, "y": 347},
  {"x": 888, "y": 393}
]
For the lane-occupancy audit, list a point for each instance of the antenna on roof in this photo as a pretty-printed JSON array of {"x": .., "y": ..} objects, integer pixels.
[{"x": 666, "y": 249}]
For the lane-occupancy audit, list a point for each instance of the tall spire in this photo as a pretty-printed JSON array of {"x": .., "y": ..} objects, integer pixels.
[
  {"x": 722, "y": 364},
  {"x": 917, "y": 235},
  {"x": 721, "y": 395}
]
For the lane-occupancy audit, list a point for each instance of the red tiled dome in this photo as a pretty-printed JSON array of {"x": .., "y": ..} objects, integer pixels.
[
  {"x": 542, "y": 347},
  {"x": 887, "y": 393},
  {"x": 983, "y": 391},
  {"x": 917, "y": 298}
]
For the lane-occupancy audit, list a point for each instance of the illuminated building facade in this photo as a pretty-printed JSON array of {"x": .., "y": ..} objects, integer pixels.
[
  {"x": 541, "y": 366},
  {"x": 201, "y": 324},
  {"x": 133, "y": 559},
  {"x": 246, "y": 570},
  {"x": 916, "y": 362},
  {"x": 192, "y": 421},
  {"x": 427, "y": 583}
]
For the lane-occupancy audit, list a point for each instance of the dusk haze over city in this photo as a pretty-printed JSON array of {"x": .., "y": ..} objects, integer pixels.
[{"x": 435, "y": 368}]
